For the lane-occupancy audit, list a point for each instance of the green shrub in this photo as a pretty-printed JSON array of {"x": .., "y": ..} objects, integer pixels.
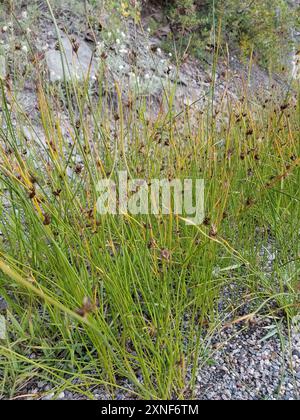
[{"x": 263, "y": 26}]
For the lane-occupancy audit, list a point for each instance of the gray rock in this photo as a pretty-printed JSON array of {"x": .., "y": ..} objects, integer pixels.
[
  {"x": 34, "y": 134},
  {"x": 74, "y": 61},
  {"x": 2, "y": 67}
]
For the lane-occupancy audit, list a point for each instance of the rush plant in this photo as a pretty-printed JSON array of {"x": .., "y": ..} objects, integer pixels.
[{"x": 131, "y": 301}]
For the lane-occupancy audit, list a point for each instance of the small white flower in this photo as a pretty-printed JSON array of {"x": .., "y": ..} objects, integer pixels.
[
  {"x": 28, "y": 30},
  {"x": 25, "y": 49},
  {"x": 170, "y": 54},
  {"x": 147, "y": 76},
  {"x": 5, "y": 29},
  {"x": 149, "y": 30},
  {"x": 118, "y": 41},
  {"x": 24, "y": 14},
  {"x": 123, "y": 50},
  {"x": 158, "y": 51},
  {"x": 123, "y": 34}
]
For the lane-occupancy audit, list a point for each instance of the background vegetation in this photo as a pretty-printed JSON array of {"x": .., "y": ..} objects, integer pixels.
[{"x": 261, "y": 26}]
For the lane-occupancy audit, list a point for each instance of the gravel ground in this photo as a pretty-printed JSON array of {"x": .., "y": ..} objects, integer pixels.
[
  {"x": 247, "y": 365},
  {"x": 253, "y": 361}
]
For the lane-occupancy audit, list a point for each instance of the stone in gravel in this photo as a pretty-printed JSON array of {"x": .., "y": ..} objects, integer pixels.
[
  {"x": 61, "y": 396},
  {"x": 77, "y": 61},
  {"x": 296, "y": 353},
  {"x": 49, "y": 397},
  {"x": 34, "y": 391},
  {"x": 3, "y": 305}
]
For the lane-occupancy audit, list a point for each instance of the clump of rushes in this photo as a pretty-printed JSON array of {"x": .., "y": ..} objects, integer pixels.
[{"x": 104, "y": 299}]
